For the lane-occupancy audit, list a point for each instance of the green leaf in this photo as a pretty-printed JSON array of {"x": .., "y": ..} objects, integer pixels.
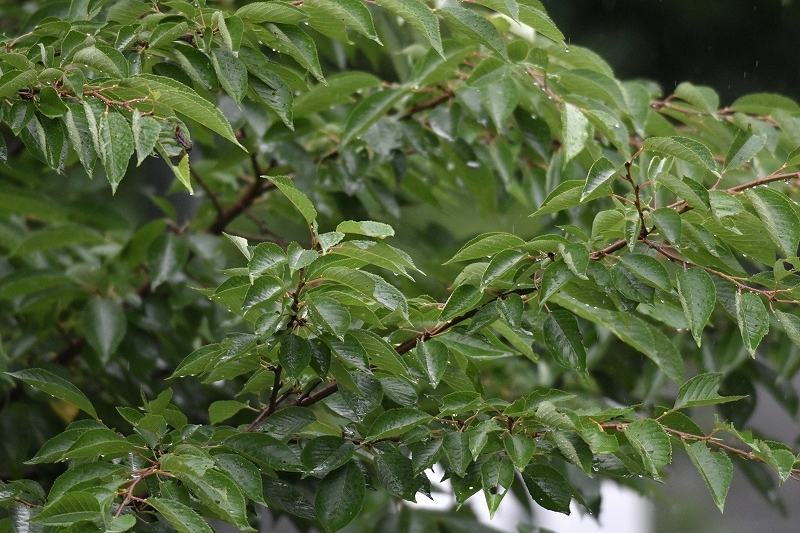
[
  {"x": 548, "y": 487},
  {"x": 563, "y": 338},
  {"x": 70, "y": 508},
  {"x": 695, "y": 196},
  {"x": 145, "y": 135},
  {"x": 701, "y": 97},
  {"x": 291, "y": 40},
  {"x": 475, "y": 27},
  {"x": 340, "y": 496},
  {"x": 574, "y": 131},
  {"x": 338, "y": 91},
  {"x": 300, "y": 200},
  {"x": 55, "y": 386},
  {"x": 98, "y": 60},
  {"x": 275, "y": 92},
  {"x": 743, "y": 148},
  {"x": 185, "y": 101},
  {"x": 500, "y": 99},
  {"x": 368, "y": 111},
  {"x": 791, "y": 326},
  {"x": 104, "y": 325},
  {"x": 753, "y": 320},
  {"x": 265, "y": 256},
  {"x": 11, "y": 82},
  {"x": 396, "y": 476},
  {"x": 698, "y": 295},
  {"x": 652, "y": 443},
  {"x": 366, "y": 227},
  {"x": 264, "y": 450},
  {"x": 764, "y": 104},
  {"x": 464, "y": 298},
  {"x": 520, "y": 448},
  {"x": 328, "y": 313},
  {"x": 716, "y": 470},
  {"x": 264, "y": 289},
  {"x": 50, "y": 104},
  {"x": 294, "y": 355},
  {"x": 649, "y": 270},
  {"x": 165, "y": 258},
  {"x": 245, "y": 473},
  {"x": 684, "y": 149},
  {"x": 566, "y": 195},
  {"x": 329, "y": 14},
  {"x": 224, "y": 409},
  {"x": 85, "y": 476},
  {"x": 434, "y": 357},
  {"x": 260, "y": 12},
  {"x": 702, "y": 390},
  {"x": 96, "y": 442},
  {"x": 500, "y": 264},
  {"x": 777, "y": 213},
  {"x": 396, "y": 422},
  {"x": 456, "y": 446},
  {"x": 668, "y": 223},
  {"x": 554, "y": 277},
  {"x": 284, "y": 423},
  {"x": 115, "y": 146},
  {"x": 632, "y": 330},
  {"x": 538, "y": 20},
  {"x": 231, "y": 72},
  {"x": 485, "y": 245},
  {"x": 425, "y": 454},
  {"x": 324, "y": 454},
  {"x": 180, "y": 516},
  {"x": 419, "y": 16},
  {"x": 602, "y": 172},
  {"x": 80, "y": 137}
]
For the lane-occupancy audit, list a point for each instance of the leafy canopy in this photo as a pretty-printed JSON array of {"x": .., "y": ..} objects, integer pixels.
[{"x": 329, "y": 313}]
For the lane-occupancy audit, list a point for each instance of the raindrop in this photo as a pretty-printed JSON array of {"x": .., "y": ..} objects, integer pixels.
[{"x": 473, "y": 164}]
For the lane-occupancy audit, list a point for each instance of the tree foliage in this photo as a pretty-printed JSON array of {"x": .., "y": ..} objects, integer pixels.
[{"x": 276, "y": 343}]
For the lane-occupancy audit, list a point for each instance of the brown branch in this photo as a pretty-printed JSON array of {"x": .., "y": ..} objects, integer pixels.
[
  {"x": 226, "y": 216},
  {"x": 209, "y": 193},
  {"x": 429, "y": 104},
  {"x": 610, "y": 249},
  {"x": 764, "y": 181}
]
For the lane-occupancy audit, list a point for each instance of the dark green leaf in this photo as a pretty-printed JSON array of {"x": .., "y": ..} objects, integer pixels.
[
  {"x": 716, "y": 470},
  {"x": 434, "y": 358},
  {"x": 753, "y": 320},
  {"x": 702, "y": 390},
  {"x": 563, "y": 338},
  {"x": 548, "y": 488},
  {"x": 340, "y": 496},
  {"x": 294, "y": 355},
  {"x": 396, "y": 422},
  {"x": 463, "y": 299},
  {"x": 652, "y": 443},
  {"x": 698, "y": 296},
  {"x": 180, "y": 516},
  {"x": 419, "y": 16},
  {"x": 104, "y": 325},
  {"x": 56, "y": 387}
]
